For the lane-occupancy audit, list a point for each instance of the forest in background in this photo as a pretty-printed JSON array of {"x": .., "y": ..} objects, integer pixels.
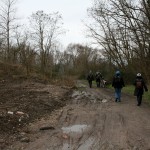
[{"x": 120, "y": 29}]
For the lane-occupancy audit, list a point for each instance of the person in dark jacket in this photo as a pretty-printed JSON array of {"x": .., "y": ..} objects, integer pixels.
[
  {"x": 118, "y": 84},
  {"x": 90, "y": 78},
  {"x": 140, "y": 86},
  {"x": 98, "y": 77}
]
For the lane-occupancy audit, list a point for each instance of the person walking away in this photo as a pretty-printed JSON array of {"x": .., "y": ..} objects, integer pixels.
[
  {"x": 118, "y": 84},
  {"x": 98, "y": 77},
  {"x": 90, "y": 78},
  {"x": 140, "y": 86}
]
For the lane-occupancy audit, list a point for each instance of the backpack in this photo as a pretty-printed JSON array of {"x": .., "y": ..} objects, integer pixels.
[
  {"x": 117, "y": 79},
  {"x": 139, "y": 84},
  {"x": 90, "y": 77},
  {"x": 98, "y": 76}
]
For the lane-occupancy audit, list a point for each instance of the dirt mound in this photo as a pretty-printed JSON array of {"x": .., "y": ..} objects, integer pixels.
[{"x": 25, "y": 101}]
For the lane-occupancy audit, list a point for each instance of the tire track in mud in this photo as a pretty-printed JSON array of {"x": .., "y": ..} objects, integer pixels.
[
  {"x": 110, "y": 123},
  {"x": 76, "y": 143},
  {"x": 91, "y": 135}
]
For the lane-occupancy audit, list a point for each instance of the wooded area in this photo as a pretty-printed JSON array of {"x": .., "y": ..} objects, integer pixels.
[{"x": 121, "y": 29}]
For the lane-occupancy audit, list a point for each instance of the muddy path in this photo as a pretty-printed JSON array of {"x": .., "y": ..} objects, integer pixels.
[{"x": 91, "y": 121}]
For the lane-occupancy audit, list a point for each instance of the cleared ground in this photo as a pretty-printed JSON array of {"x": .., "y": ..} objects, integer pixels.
[{"x": 90, "y": 120}]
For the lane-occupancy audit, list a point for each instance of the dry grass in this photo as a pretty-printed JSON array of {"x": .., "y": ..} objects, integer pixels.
[{"x": 65, "y": 81}]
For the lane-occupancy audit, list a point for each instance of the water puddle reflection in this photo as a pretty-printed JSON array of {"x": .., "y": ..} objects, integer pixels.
[
  {"x": 88, "y": 144},
  {"x": 74, "y": 128},
  {"x": 74, "y": 132},
  {"x": 66, "y": 146}
]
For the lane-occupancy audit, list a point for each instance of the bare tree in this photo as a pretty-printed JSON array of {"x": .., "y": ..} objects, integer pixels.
[
  {"x": 7, "y": 23},
  {"x": 79, "y": 59},
  {"x": 122, "y": 29},
  {"x": 24, "y": 53},
  {"x": 45, "y": 30}
]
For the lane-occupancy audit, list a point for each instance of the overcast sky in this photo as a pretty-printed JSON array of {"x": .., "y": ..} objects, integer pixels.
[{"x": 72, "y": 11}]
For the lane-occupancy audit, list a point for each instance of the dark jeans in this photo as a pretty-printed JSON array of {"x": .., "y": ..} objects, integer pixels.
[
  {"x": 118, "y": 94},
  {"x": 139, "y": 99},
  {"x": 90, "y": 83},
  {"x": 98, "y": 83}
]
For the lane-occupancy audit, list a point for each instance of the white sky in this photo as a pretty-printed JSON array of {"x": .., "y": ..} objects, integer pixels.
[{"x": 72, "y": 11}]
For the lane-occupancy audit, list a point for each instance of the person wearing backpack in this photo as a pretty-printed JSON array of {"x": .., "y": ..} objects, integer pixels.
[
  {"x": 140, "y": 86},
  {"x": 118, "y": 84},
  {"x": 98, "y": 78},
  {"x": 90, "y": 78}
]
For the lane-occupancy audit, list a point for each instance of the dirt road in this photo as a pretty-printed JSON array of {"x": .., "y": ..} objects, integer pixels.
[{"x": 91, "y": 121}]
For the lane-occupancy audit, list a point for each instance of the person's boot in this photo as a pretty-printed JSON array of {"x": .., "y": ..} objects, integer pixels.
[
  {"x": 139, "y": 104},
  {"x": 116, "y": 99}
]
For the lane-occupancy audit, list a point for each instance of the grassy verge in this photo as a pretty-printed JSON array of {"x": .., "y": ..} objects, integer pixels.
[{"x": 129, "y": 89}]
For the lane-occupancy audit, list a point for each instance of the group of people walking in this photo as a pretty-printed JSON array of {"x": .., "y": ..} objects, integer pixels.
[
  {"x": 100, "y": 82},
  {"x": 118, "y": 84}
]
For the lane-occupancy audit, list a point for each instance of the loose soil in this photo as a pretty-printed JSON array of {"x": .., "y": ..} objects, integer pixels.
[{"x": 49, "y": 117}]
